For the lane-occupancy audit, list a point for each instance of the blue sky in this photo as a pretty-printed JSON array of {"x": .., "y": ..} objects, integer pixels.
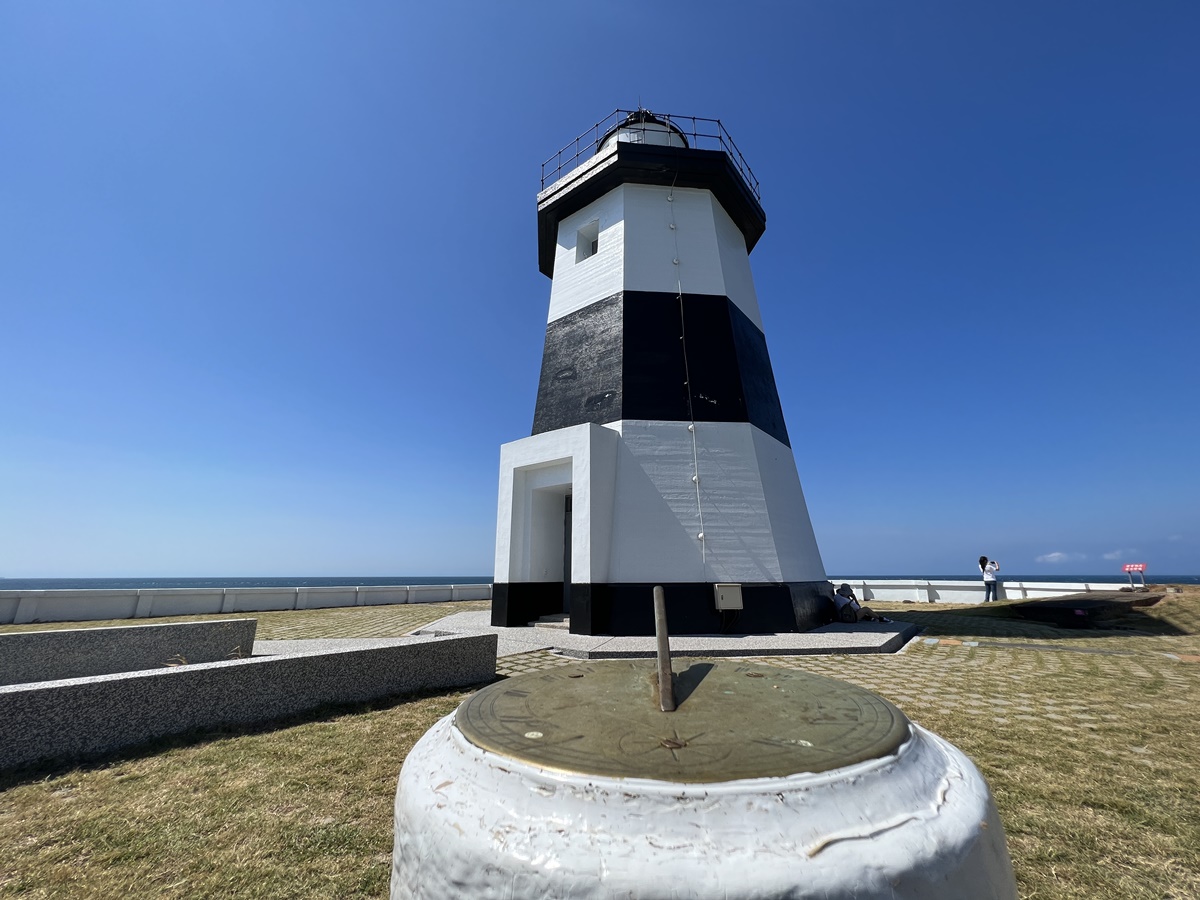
[{"x": 269, "y": 297}]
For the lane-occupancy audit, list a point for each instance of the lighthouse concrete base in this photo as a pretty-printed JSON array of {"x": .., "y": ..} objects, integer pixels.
[
  {"x": 623, "y": 610},
  {"x": 916, "y": 823}
]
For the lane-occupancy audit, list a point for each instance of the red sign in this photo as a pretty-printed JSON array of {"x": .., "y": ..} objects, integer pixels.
[{"x": 1135, "y": 567}]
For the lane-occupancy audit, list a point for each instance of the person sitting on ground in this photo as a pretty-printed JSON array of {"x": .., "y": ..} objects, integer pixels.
[{"x": 849, "y": 610}]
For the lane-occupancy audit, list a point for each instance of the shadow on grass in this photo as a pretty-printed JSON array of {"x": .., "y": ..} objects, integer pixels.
[
  {"x": 1002, "y": 620},
  {"x": 54, "y": 768}
]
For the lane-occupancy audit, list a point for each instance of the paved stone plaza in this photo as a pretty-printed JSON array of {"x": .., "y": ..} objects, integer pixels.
[{"x": 986, "y": 679}]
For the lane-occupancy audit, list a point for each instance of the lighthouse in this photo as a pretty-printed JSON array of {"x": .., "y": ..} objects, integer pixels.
[{"x": 659, "y": 453}]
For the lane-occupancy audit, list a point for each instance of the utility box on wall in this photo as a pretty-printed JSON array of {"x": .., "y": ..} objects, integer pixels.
[{"x": 729, "y": 596}]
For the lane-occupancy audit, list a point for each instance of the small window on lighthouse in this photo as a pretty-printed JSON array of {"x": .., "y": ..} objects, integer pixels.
[{"x": 587, "y": 241}]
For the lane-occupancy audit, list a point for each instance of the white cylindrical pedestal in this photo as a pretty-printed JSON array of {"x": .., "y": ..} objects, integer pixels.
[{"x": 917, "y": 824}]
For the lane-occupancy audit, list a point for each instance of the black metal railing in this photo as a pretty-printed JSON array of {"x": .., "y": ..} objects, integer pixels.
[{"x": 706, "y": 134}]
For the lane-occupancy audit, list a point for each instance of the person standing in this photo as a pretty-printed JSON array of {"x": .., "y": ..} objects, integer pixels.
[{"x": 989, "y": 568}]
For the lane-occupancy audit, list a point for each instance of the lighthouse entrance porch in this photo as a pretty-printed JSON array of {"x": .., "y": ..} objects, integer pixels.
[
  {"x": 632, "y": 523},
  {"x": 554, "y": 520}
]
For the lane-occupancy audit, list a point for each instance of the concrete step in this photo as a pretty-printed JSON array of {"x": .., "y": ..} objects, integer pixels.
[{"x": 558, "y": 621}]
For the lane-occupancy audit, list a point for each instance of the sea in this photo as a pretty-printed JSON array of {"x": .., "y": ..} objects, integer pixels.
[{"x": 63, "y": 584}]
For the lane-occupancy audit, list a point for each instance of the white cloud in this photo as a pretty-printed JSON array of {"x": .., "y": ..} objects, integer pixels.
[
  {"x": 1059, "y": 557},
  {"x": 1118, "y": 554},
  {"x": 1175, "y": 537}
]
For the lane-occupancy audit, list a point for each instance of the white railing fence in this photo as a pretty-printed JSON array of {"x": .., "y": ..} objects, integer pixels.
[
  {"x": 18, "y": 607},
  {"x": 923, "y": 591}
]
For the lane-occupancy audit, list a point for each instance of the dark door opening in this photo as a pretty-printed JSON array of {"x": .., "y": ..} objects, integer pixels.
[{"x": 566, "y": 607}]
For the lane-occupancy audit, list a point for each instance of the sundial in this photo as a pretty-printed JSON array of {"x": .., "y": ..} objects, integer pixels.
[
  {"x": 734, "y": 720},
  {"x": 736, "y": 779}
]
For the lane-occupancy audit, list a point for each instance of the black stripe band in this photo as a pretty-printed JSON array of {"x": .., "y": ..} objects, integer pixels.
[
  {"x": 626, "y": 609},
  {"x": 623, "y": 358}
]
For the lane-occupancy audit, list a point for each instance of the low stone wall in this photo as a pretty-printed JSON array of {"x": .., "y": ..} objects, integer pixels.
[
  {"x": 922, "y": 591},
  {"x": 83, "y": 652},
  {"x": 83, "y": 717},
  {"x": 21, "y": 607}
]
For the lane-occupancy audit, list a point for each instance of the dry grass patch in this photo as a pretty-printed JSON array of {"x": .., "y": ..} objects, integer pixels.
[{"x": 301, "y": 811}]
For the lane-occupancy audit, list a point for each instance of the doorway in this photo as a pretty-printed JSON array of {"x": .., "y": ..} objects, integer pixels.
[{"x": 566, "y": 597}]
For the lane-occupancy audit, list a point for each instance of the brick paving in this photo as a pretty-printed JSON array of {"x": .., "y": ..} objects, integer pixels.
[
  {"x": 1103, "y": 689},
  {"x": 1064, "y": 691},
  {"x": 950, "y": 677},
  {"x": 520, "y": 663}
]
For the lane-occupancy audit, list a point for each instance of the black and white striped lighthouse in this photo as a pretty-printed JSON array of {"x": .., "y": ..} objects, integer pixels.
[{"x": 659, "y": 453}]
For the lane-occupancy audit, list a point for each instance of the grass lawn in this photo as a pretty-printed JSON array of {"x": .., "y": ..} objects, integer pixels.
[{"x": 1090, "y": 741}]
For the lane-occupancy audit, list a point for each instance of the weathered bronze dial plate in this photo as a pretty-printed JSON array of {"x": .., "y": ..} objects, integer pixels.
[{"x": 734, "y": 720}]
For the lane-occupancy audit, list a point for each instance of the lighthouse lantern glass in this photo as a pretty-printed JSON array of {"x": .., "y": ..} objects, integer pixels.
[{"x": 660, "y": 135}]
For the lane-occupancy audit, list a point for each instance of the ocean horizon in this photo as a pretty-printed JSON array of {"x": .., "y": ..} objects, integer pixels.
[{"x": 76, "y": 584}]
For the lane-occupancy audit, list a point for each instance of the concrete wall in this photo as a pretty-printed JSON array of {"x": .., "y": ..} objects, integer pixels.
[
  {"x": 635, "y": 513},
  {"x": 81, "y": 652},
  {"x": 20, "y": 607},
  {"x": 580, "y": 460},
  {"x": 656, "y": 519},
  {"x": 735, "y": 264},
  {"x": 921, "y": 591},
  {"x": 578, "y": 283},
  {"x": 710, "y": 248},
  {"x": 637, "y": 249},
  {"x": 791, "y": 527},
  {"x": 83, "y": 717},
  {"x": 547, "y": 532}
]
